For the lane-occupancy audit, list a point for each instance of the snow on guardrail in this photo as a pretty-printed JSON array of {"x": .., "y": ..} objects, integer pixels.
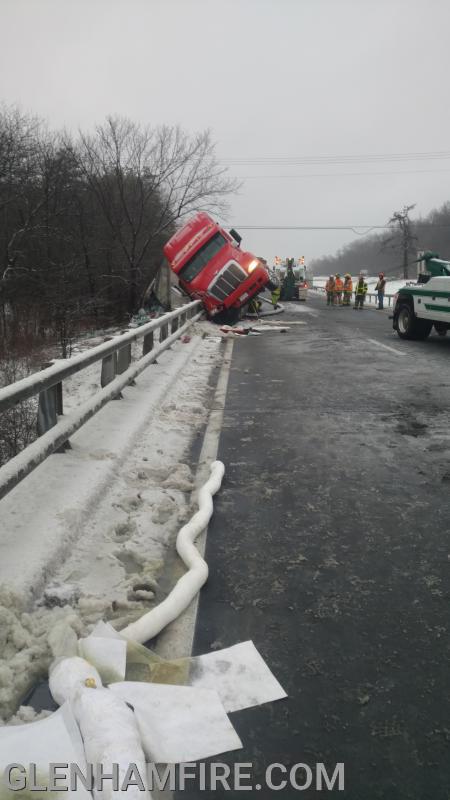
[{"x": 117, "y": 372}]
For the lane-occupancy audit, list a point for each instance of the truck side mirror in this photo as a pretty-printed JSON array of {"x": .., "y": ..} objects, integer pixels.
[{"x": 236, "y": 236}]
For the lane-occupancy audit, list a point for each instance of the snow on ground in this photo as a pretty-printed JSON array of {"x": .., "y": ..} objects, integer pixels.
[
  {"x": 86, "y": 535},
  {"x": 296, "y": 307}
]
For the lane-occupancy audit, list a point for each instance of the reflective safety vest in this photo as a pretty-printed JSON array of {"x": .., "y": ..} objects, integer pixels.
[
  {"x": 361, "y": 287},
  {"x": 329, "y": 286},
  {"x": 348, "y": 286},
  {"x": 338, "y": 285}
]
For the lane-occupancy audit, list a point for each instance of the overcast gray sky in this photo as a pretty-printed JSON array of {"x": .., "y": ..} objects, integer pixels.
[{"x": 273, "y": 79}]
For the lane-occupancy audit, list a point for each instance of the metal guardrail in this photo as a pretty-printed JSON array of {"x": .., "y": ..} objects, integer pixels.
[
  {"x": 117, "y": 371},
  {"x": 388, "y": 297}
]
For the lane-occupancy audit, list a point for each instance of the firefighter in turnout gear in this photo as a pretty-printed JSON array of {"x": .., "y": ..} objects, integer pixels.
[
  {"x": 329, "y": 288},
  {"x": 348, "y": 289},
  {"x": 276, "y": 296},
  {"x": 338, "y": 289},
  {"x": 360, "y": 292},
  {"x": 254, "y": 306}
]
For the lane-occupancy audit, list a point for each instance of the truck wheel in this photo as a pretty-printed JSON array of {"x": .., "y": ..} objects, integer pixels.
[
  {"x": 409, "y": 326},
  {"x": 440, "y": 328}
]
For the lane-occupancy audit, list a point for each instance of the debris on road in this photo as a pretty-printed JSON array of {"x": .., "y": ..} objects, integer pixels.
[{"x": 245, "y": 330}]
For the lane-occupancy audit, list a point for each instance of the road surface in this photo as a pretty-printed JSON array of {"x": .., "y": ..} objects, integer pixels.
[{"x": 329, "y": 549}]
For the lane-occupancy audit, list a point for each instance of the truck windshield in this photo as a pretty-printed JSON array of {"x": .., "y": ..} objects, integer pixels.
[{"x": 202, "y": 256}]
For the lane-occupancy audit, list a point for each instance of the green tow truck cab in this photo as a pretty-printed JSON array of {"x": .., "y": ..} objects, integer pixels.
[{"x": 420, "y": 306}]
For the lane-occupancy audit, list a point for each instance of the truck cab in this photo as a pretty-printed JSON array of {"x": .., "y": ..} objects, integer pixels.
[
  {"x": 420, "y": 306},
  {"x": 211, "y": 266}
]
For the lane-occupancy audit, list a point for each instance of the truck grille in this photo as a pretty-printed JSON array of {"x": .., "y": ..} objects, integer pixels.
[{"x": 227, "y": 281}]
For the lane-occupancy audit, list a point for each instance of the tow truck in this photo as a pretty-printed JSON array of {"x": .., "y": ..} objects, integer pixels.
[
  {"x": 211, "y": 267},
  {"x": 293, "y": 278},
  {"x": 423, "y": 304}
]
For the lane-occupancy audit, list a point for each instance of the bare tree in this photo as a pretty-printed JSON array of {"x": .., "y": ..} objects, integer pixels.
[
  {"x": 21, "y": 143},
  {"x": 144, "y": 180},
  {"x": 82, "y": 225}
]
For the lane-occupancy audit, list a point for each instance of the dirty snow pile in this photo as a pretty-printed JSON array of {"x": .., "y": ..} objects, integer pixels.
[{"x": 90, "y": 534}]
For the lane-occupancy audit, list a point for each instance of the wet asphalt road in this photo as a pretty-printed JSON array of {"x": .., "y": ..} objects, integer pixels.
[{"x": 329, "y": 549}]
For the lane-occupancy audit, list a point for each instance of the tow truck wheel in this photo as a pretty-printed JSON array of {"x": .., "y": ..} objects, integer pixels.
[
  {"x": 440, "y": 328},
  {"x": 409, "y": 326}
]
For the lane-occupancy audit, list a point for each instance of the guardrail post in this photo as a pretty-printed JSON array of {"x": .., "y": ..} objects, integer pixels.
[
  {"x": 47, "y": 414},
  {"x": 148, "y": 343},
  {"x": 174, "y": 326},
  {"x": 50, "y": 405},
  {"x": 163, "y": 332},
  {"x": 123, "y": 359},
  {"x": 59, "y": 399},
  {"x": 109, "y": 368}
]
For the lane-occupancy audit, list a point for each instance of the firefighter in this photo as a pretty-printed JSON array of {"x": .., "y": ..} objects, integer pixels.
[
  {"x": 276, "y": 296},
  {"x": 329, "y": 288},
  {"x": 254, "y": 306},
  {"x": 338, "y": 289},
  {"x": 348, "y": 289},
  {"x": 360, "y": 292}
]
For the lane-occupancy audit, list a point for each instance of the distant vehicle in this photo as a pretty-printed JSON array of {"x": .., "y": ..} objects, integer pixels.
[
  {"x": 211, "y": 267},
  {"x": 420, "y": 306},
  {"x": 295, "y": 288}
]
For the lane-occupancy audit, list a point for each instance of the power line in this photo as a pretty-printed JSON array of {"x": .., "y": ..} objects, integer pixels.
[
  {"x": 367, "y": 228},
  {"x": 344, "y": 174},
  {"x": 335, "y": 159},
  {"x": 360, "y": 230}
]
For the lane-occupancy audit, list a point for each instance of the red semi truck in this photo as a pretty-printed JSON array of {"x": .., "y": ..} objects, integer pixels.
[{"x": 211, "y": 267}]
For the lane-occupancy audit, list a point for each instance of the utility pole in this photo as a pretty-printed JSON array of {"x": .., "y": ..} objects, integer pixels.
[{"x": 402, "y": 220}]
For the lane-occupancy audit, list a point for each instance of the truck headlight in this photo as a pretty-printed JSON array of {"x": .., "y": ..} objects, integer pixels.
[{"x": 253, "y": 264}]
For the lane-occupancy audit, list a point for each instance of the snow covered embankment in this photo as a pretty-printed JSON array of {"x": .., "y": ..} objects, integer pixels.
[{"x": 86, "y": 535}]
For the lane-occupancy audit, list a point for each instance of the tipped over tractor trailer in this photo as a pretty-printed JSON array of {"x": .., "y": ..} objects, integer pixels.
[{"x": 211, "y": 267}]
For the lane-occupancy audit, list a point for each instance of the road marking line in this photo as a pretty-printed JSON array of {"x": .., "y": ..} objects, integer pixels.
[
  {"x": 177, "y": 639},
  {"x": 386, "y": 347}
]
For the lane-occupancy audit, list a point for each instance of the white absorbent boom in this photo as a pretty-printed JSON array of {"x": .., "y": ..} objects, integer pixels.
[{"x": 184, "y": 591}]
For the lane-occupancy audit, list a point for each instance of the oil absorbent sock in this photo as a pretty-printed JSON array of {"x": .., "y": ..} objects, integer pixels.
[
  {"x": 184, "y": 591},
  {"x": 108, "y": 726}
]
